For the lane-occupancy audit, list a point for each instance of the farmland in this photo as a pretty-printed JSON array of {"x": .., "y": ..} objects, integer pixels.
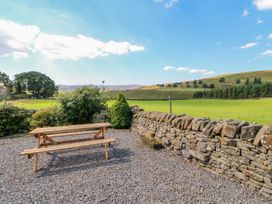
[
  {"x": 186, "y": 90},
  {"x": 254, "y": 110},
  {"x": 156, "y": 93}
]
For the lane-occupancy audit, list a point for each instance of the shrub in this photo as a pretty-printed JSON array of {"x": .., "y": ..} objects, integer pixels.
[
  {"x": 13, "y": 120},
  {"x": 80, "y": 105},
  {"x": 222, "y": 80},
  {"x": 211, "y": 86},
  {"x": 121, "y": 113},
  {"x": 53, "y": 116}
]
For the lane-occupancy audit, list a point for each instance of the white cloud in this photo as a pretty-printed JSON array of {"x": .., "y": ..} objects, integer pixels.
[
  {"x": 245, "y": 13},
  {"x": 259, "y": 37},
  {"x": 267, "y": 53},
  {"x": 249, "y": 45},
  {"x": 167, "y": 3},
  {"x": 183, "y": 69},
  {"x": 16, "y": 40},
  {"x": 170, "y": 3},
  {"x": 263, "y": 4},
  {"x": 168, "y": 68},
  {"x": 270, "y": 35},
  {"x": 189, "y": 70},
  {"x": 259, "y": 21},
  {"x": 76, "y": 47},
  {"x": 19, "y": 41}
]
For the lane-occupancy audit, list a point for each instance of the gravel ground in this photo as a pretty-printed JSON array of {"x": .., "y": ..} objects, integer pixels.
[{"x": 134, "y": 174}]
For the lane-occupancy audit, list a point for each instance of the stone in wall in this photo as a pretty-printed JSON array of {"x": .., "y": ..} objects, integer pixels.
[{"x": 232, "y": 128}]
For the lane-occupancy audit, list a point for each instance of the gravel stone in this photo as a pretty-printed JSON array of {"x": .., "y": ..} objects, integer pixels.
[{"x": 135, "y": 173}]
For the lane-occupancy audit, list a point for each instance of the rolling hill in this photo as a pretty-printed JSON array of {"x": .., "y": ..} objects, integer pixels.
[
  {"x": 230, "y": 79},
  {"x": 186, "y": 90}
]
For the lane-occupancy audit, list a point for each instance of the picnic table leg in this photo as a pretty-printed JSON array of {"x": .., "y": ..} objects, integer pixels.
[
  {"x": 106, "y": 152},
  {"x": 35, "y": 167},
  {"x": 103, "y": 132}
]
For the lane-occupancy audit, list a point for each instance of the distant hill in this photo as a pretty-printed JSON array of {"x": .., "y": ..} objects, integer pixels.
[
  {"x": 186, "y": 90},
  {"x": 107, "y": 87},
  {"x": 230, "y": 79}
]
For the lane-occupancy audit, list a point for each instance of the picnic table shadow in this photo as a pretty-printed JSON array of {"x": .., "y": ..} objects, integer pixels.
[{"x": 72, "y": 161}]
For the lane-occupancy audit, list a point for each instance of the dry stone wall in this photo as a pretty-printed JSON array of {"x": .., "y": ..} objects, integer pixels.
[{"x": 238, "y": 149}]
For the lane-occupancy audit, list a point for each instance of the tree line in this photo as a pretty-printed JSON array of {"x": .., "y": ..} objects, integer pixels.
[
  {"x": 27, "y": 85},
  {"x": 254, "y": 90},
  {"x": 188, "y": 84}
]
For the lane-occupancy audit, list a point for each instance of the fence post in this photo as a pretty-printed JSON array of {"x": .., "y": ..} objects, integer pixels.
[{"x": 170, "y": 103}]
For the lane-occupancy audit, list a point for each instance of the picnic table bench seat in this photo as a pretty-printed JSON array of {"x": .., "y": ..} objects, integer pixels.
[{"x": 67, "y": 146}]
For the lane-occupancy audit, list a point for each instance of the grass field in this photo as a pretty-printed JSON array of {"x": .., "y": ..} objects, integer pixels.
[
  {"x": 156, "y": 93},
  {"x": 34, "y": 104},
  {"x": 257, "y": 110}
]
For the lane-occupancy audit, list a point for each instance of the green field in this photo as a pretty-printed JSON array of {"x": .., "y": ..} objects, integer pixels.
[
  {"x": 156, "y": 94},
  {"x": 257, "y": 110},
  {"x": 34, "y": 104}
]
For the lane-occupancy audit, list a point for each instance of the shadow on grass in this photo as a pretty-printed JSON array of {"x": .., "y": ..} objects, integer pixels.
[{"x": 72, "y": 161}]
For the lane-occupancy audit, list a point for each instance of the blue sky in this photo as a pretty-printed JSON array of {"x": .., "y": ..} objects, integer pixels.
[{"x": 134, "y": 41}]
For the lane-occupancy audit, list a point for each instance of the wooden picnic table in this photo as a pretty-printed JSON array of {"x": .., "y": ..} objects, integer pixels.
[
  {"x": 45, "y": 135},
  {"x": 46, "y": 141}
]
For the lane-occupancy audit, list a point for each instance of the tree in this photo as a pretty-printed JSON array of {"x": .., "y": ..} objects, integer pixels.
[
  {"x": 34, "y": 84},
  {"x": 121, "y": 113},
  {"x": 195, "y": 86},
  {"x": 194, "y": 82},
  {"x": 255, "y": 81},
  {"x": 200, "y": 82},
  {"x": 205, "y": 86},
  {"x": 247, "y": 81},
  {"x": 238, "y": 81},
  {"x": 5, "y": 81},
  {"x": 80, "y": 105},
  {"x": 211, "y": 86},
  {"x": 222, "y": 80}
]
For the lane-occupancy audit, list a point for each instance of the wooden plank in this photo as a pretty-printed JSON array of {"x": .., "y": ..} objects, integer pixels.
[
  {"x": 73, "y": 133},
  {"x": 75, "y": 140},
  {"x": 69, "y": 128},
  {"x": 67, "y": 146}
]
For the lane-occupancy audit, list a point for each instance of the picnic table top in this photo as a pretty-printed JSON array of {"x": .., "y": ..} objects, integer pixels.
[{"x": 68, "y": 128}]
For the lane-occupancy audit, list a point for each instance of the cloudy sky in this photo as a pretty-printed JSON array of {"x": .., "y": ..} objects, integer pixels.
[{"x": 134, "y": 41}]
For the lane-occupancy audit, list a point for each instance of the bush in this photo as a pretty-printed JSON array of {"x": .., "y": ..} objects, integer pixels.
[
  {"x": 53, "y": 116},
  {"x": 121, "y": 113},
  {"x": 222, "y": 80},
  {"x": 13, "y": 120},
  {"x": 81, "y": 105}
]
